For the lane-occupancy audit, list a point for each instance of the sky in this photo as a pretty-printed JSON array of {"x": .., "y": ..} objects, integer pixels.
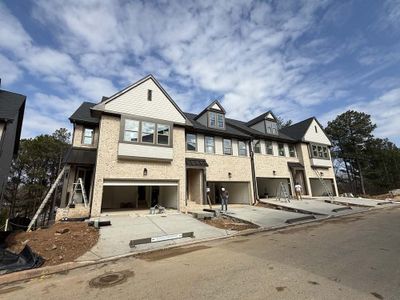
[{"x": 298, "y": 58}]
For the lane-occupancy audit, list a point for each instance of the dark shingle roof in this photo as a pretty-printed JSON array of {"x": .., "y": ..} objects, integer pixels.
[
  {"x": 298, "y": 130},
  {"x": 258, "y": 134},
  {"x": 229, "y": 130},
  {"x": 80, "y": 156},
  {"x": 196, "y": 162},
  {"x": 10, "y": 104},
  {"x": 83, "y": 115},
  {"x": 260, "y": 118}
]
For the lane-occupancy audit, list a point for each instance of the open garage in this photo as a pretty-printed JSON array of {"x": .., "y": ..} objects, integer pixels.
[
  {"x": 128, "y": 195},
  {"x": 318, "y": 189},
  {"x": 239, "y": 192},
  {"x": 269, "y": 187}
]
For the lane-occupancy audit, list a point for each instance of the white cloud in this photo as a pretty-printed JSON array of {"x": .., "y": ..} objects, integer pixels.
[
  {"x": 93, "y": 88},
  {"x": 9, "y": 70}
]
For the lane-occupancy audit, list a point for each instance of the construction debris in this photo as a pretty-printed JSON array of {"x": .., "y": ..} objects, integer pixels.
[{"x": 229, "y": 223}]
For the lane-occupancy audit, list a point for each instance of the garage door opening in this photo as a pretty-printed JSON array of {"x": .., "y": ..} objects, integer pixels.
[
  {"x": 318, "y": 189},
  {"x": 139, "y": 196},
  {"x": 269, "y": 187},
  {"x": 239, "y": 192}
]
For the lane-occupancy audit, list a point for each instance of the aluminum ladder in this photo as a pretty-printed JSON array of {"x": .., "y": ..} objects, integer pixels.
[
  {"x": 327, "y": 190},
  {"x": 282, "y": 191},
  {"x": 78, "y": 187}
]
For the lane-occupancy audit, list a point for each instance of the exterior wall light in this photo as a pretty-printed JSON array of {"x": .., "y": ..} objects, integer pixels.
[
  {"x": 230, "y": 175},
  {"x": 321, "y": 173},
  {"x": 145, "y": 172},
  {"x": 274, "y": 172}
]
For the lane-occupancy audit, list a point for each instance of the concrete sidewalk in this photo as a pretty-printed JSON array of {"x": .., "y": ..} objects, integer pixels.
[
  {"x": 319, "y": 207},
  {"x": 114, "y": 240},
  {"x": 358, "y": 201},
  {"x": 265, "y": 217}
]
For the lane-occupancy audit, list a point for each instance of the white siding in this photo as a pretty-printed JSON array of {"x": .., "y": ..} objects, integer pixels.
[
  {"x": 316, "y": 137},
  {"x": 200, "y": 143},
  {"x": 145, "y": 151},
  {"x": 135, "y": 102},
  {"x": 218, "y": 145},
  {"x": 235, "y": 147},
  {"x": 262, "y": 145}
]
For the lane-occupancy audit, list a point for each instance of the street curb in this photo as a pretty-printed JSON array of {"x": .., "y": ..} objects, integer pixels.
[{"x": 46, "y": 271}]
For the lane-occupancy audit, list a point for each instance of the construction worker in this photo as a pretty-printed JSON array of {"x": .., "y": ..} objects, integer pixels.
[
  {"x": 224, "y": 199},
  {"x": 298, "y": 189}
]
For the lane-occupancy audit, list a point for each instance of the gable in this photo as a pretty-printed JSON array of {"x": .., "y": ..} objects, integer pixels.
[
  {"x": 316, "y": 134},
  {"x": 216, "y": 107},
  {"x": 134, "y": 101},
  {"x": 270, "y": 116}
]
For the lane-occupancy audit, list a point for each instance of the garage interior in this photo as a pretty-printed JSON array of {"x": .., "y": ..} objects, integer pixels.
[
  {"x": 239, "y": 192},
  {"x": 132, "y": 196},
  {"x": 268, "y": 187},
  {"x": 318, "y": 189}
]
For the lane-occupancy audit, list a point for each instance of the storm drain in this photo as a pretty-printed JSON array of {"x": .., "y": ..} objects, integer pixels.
[{"x": 110, "y": 279}]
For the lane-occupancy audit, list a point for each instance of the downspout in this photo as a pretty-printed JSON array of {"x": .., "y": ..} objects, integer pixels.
[{"x": 253, "y": 174}]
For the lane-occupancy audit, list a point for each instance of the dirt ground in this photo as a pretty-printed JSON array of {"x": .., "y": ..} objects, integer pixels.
[
  {"x": 55, "y": 246},
  {"x": 386, "y": 196},
  {"x": 225, "y": 222}
]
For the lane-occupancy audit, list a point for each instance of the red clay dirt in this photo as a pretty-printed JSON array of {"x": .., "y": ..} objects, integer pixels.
[
  {"x": 225, "y": 222},
  {"x": 60, "y": 243}
]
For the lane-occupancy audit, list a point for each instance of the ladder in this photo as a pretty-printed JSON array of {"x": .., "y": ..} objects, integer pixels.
[
  {"x": 46, "y": 199},
  {"x": 282, "y": 192},
  {"x": 78, "y": 187},
  {"x": 327, "y": 190}
]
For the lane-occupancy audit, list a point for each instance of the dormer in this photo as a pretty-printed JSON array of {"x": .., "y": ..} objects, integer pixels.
[
  {"x": 265, "y": 123},
  {"x": 213, "y": 116}
]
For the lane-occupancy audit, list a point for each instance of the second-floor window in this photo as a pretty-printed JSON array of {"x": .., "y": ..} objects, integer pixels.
[
  {"x": 209, "y": 144},
  {"x": 292, "y": 151},
  {"x": 163, "y": 132},
  {"x": 131, "y": 132},
  {"x": 227, "y": 147},
  {"x": 148, "y": 129},
  {"x": 88, "y": 135},
  {"x": 242, "y": 148},
  {"x": 146, "y": 132},
  {"x": 191, "y": 142},
  {"x": 319, "y": 151},
  {"x": 281, "y": 149},
  {"x": 269, "y": 148},
  {"x": 216, "y": 120},
  {"x": 257, "y": 147}
]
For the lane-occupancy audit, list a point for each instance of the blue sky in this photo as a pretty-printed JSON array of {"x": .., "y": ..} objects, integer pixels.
[{"x": 298, "y": 58}]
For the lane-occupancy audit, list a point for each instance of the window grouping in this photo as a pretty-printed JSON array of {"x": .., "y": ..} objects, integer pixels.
[
  {"x": 319, "y": 151},
  {"x": 146, "y": 132},
  {"x": 216, "y": 120}
]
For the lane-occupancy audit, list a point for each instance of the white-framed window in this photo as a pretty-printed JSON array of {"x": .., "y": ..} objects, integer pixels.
[
  {"x": 148, "y": 130},
  {"x": 257, "y": 147},
  {"x": 212, "y": 120},
  {"x": 209, "y": 144},
  {"x": 163, "y": 134},
  {"x": 88, "y": 136},
  {"x": 131, "y": 131},
  {"x": 242, "y": 148},
  {"x": 216, "y": 120},
  {"x": 191, "y": 142},
  {"x": 281, "y": 149},
  {"x": 269, "y": 148},
  {"x": 292, "y": 151},
  {"x": 221, "y": 121},
  {"x": 227, "y": 146}
]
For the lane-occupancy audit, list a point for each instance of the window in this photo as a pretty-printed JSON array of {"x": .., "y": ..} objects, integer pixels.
[
  {"x": 163, "y": 134},
  {"x": 319, "y": 151},
  {"x": 275, "y": 131},
  {"x": 292, "y": 151},
  {"x": 148, "y": 130},
  {"x": 88, "y": 134},
  {"x": 209, "y": 144},
  {"x": 281, "y": 149},
  {"x": 212, "y": 119},
  {"x": 149, "y": 95},
  {"x": 227, "y": 146},
  {"x": 269, "y": 148},
  {"x": 191, "y": 142},
  {"x": 257, "y": 147},
  {"x": 242, "y": 148},
  {"x": 269, "y": 130},
  {"x": 216, "y": 120},
  {"x": 221, "y": 123},
  {"x": 131, "y": 131}
]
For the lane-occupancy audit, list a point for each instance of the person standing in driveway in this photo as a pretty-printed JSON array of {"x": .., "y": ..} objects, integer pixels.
[
  {"x": 298, "y": 188},
  {"x": 224, "y": 199}
]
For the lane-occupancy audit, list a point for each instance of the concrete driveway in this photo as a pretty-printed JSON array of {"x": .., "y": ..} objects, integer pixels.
[
  {"x": 114, "y": 240},
  {"x": 319, "y": 207},
  {"x": 266, "y": 217}
]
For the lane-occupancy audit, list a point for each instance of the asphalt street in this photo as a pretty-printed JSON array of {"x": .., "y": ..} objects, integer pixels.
[{"x": 352, "y": 257}]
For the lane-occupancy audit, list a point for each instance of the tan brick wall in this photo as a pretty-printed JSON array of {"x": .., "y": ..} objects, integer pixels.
[
  {"x": 302, "y": 150},
  {"x": 77, "y": 137},
  {"x": 110, "y": 167},
  {"x": 220, "y": 165}
]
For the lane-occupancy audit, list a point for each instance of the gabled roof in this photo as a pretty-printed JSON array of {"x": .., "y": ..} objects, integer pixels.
[
  {"x": 100, "y": 106},
  {"x": 229, "y": 131},
  {"x": 12, "y": 106},
  {"x": 258, "y": 134},
  {"x": 83, "y": 115},
  {"x": 210, "y": 107},
  {"x": 260, "y": 118},
  {"x": 298, "y": 130}
]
